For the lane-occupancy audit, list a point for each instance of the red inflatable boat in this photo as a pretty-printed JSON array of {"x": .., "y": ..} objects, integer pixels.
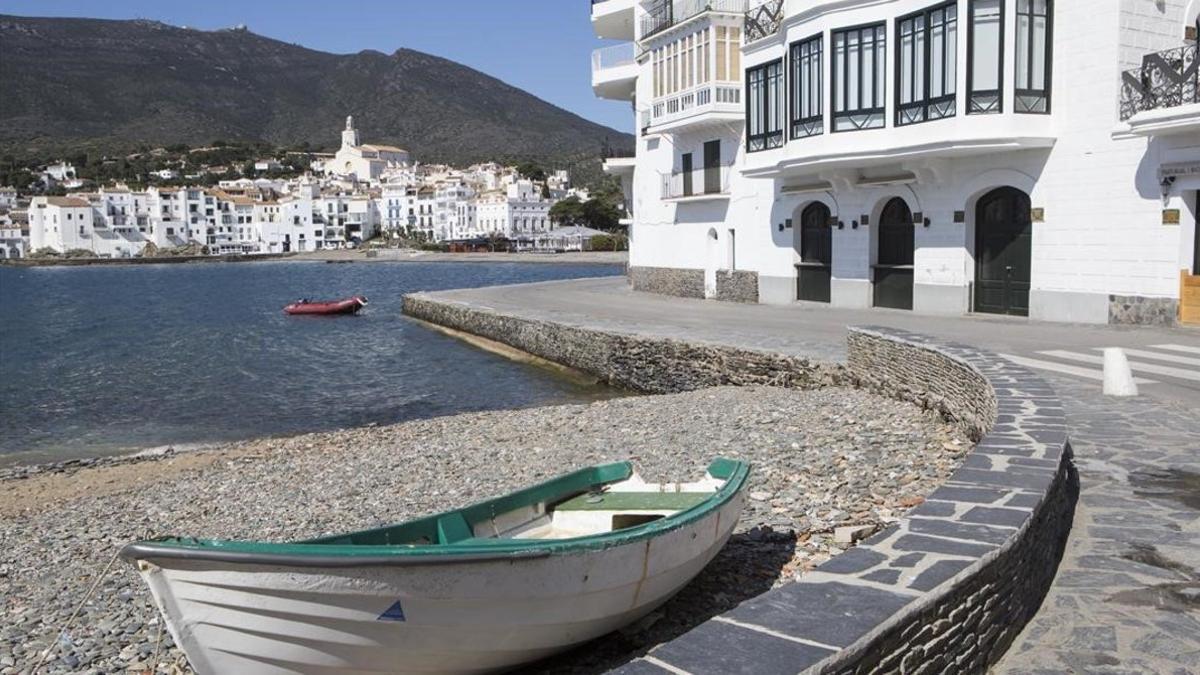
[{"x": 346, "y": 306}]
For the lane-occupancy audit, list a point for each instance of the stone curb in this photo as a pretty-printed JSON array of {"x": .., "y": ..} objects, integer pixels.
[{"x": 948, "y": 588}]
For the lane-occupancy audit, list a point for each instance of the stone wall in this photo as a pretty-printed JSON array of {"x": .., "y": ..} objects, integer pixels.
[
  {"x": 1138, "y": 310},
  {"x": 650, "y": 365},
  {"x": 683, "y": 283},
  {"x": 737, "y": 286},
  {"x": 947, "y": 588}
]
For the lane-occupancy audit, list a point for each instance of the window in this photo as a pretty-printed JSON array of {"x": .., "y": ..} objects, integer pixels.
[
  {"x": 985, "y": 58},
  {"x": 808, "y": 117},
  {"x": 1033, "y": 56},
  {"x": 764, "y": 106},
  {"x": 927, "y": 44},
  {"x": 859, "y": 65}
]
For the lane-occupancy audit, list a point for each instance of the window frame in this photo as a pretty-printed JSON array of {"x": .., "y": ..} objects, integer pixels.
[
  {"x": 816, "y": 123},
  {"x": 834, "y": 80},
  {"x": 971, "y": 91},
  {"x": 926, "y": 102},
  {"x": 770, "y": 139},
  {"x": 1049, "y": 60}
]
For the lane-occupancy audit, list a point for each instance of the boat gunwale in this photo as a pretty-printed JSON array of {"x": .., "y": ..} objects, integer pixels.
[{"x": 324, "y": 555}]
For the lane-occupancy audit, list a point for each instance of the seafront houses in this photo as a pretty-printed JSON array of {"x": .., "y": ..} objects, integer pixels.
[{"x": 1024, "y": 157}]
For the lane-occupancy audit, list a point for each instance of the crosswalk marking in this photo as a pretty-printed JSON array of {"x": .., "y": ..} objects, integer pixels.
[
  {"x": 1135, "y": 365},
  {"x": 1179, "y": 348},
  {"x": 1158, "y": 356},
  {"x": 1078, "y": 371}
]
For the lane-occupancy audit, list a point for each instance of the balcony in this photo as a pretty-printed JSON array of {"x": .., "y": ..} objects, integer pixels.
[
  {"x": 698, "y": 184},
  {"x": 667, "y": 13},
  {"x": 615, "y": 72},
  {"x": 711, "y": 103},
  {"x": 763, "y": 20},
  {"x": 613, "y": 19},
  {"x": 1163, "y": 96}
]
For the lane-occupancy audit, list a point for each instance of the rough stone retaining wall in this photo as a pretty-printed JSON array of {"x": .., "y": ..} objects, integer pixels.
[
  {"x": 945, "y": 590},
  {"x": 650, "y": 365}
]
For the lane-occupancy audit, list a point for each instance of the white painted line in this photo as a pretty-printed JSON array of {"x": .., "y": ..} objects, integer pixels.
[
  {"x": 666, "y": 666},
  {"x": 1159, "y": 356},
  {"x": 1136, "y": 365},
  {"x": 774, "y": 633},
  {"x": 1063, "y": 368},
  {"x": 1179, "y": 348}
]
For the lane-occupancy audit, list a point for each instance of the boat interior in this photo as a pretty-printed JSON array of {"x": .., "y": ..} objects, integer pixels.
[{"x": 585, "y": 503}]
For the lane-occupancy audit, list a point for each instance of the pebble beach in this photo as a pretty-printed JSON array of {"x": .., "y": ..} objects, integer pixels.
[{"x": 823, "y": 460}]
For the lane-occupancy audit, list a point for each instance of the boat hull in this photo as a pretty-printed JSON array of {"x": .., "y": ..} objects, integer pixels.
[
  {"x": 445, "y": 617},
  {"x": 337, "y": 307}
]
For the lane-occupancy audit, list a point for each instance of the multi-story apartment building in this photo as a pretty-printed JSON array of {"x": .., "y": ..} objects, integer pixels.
[
  {"x": 13, "y": 243},
  {"x": 1024, "y": 157}
]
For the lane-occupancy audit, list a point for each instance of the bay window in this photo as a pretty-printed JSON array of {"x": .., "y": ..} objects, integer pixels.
[
  {"x": 764, "y": 106},
  {"x": 1034, "y": 32},
  {"x": 808, "y": 117},
  {"x": 926, "y": 62},
  {"x": 859, "y": 66},
  {"x": 985, "y": 60}
]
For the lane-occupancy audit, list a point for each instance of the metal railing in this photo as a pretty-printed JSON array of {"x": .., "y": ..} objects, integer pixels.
[
  {"x": 763, "y": 20},
  {"x": 697, "y": 183},
  {"x": 666, "y": 13},
  {"x": 686, "y": 102},
  {"x": 1166, "y": 79},
  {"x": 613, "y": 57}
]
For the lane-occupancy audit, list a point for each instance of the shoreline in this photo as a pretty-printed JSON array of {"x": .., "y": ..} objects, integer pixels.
[{"x": 341, "y": 256}]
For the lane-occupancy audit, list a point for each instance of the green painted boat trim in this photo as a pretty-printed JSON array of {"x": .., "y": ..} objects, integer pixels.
[{"x": 447, "y": 537}]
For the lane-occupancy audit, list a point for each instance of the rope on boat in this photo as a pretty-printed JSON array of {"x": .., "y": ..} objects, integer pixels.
[{"x": 70, "y": 620}]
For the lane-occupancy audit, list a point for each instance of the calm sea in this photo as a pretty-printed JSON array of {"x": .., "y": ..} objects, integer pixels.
[{"x": 98, "y": 360}]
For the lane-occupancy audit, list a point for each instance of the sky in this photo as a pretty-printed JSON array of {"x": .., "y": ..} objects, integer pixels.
[{"x": 541, "y": 46}]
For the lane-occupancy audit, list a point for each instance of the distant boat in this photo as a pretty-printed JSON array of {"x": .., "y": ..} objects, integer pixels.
[
  {"x": 487, "y": 587},
  {"x": 344, "y": 306}
]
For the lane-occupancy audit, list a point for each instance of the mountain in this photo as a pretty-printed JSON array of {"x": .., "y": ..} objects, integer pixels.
[{"x": 73, "y": 84}]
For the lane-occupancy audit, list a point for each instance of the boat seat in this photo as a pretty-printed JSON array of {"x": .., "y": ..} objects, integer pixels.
[
  {"x": 635, "y": 501},
  {"x": 453, "y": 528}
]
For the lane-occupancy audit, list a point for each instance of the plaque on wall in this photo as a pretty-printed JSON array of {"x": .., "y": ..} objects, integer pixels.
[
  {"x": 1037, "y": 215},
  {"x": 1170, "y": 217},
  {"x": 865, "y": 219},
  {"x": 960, "y": 216}
]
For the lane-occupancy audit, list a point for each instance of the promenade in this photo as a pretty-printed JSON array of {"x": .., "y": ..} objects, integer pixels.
[{"x": 1127, "y": 594}]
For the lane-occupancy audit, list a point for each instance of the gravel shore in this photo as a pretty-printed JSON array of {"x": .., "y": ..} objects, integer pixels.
[{"x": 822, "y": 459}]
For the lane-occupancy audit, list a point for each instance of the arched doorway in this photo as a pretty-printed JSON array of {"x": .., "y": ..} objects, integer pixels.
[
  {"x": 712, "y": 264},
  {"x": 816, "y": 254},
  {"x": 1003, "y": 252},
  {"x": 894, "y": 260}
]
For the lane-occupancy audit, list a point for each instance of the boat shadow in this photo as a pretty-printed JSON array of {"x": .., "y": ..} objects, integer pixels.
[{"x": 750, "y": 564}]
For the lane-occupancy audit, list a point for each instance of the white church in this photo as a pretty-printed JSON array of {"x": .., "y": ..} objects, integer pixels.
[{"x": 363, "y": 162}]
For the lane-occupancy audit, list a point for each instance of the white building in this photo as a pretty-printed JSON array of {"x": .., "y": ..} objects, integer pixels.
[
  {"x": 363, "y": 162},
  {"x": 1026, "y": 157},
  {"x": 13, "y": 243},
  {"x": 8, "y": 197}
]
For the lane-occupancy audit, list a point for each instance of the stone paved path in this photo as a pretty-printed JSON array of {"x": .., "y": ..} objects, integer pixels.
[{"x": 1127, "y": 596}]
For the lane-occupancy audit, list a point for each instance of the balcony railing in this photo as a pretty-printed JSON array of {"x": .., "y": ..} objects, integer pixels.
[
  {"x": 763, "y": 20},
  {"x": 666, "y": 13},
  {"x": 697, "y": 182},
  {"x": 691, "y": 101},
  {"x": 613, "y": 57},
  {"x": 1166, "y": 80}
]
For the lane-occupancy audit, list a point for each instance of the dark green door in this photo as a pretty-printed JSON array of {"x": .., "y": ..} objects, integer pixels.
[
  {"x": 1003, "y": 252},
  {"x": 712, "y": 168},
  {"x": 894, "y": 264},
  {"x": 816, "y": 254}
]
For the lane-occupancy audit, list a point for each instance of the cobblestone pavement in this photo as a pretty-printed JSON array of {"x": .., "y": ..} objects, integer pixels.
[{"x": 1127, "y": 595}]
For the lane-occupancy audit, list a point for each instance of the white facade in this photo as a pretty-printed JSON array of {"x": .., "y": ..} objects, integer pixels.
[
  {"x": 13, "y": 243},
  {"x": 968, "y": 173},
  {"x": 361, "y": 162}
]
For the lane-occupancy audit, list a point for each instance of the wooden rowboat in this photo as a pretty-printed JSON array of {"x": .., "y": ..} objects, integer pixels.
[{"x": 484, "y": 588}]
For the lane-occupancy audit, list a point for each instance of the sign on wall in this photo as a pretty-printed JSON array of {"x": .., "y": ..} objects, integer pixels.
[{"x": 1170, "y": 217}]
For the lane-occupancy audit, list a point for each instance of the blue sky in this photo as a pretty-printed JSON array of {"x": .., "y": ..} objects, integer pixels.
[{"x": 541, "y": 46}]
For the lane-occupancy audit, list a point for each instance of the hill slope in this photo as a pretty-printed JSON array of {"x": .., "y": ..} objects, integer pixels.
[{"x": 72, "y": 83}]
